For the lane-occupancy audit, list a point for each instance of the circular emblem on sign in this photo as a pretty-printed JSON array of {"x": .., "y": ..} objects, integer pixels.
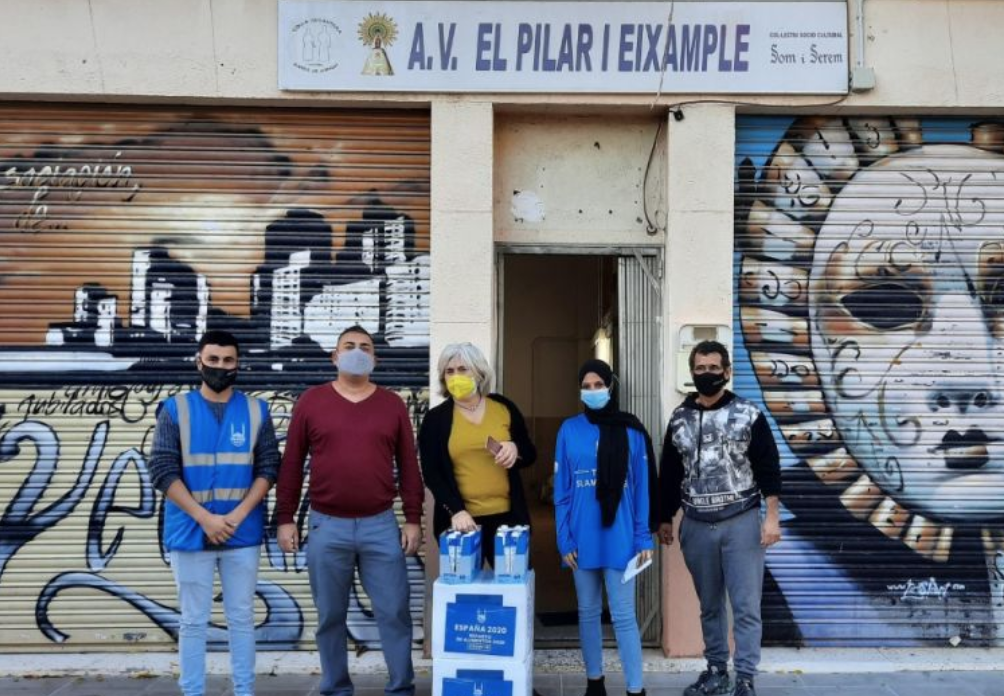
[
  {"x": 871, "y": 296},
  {"x": 314, "y": 43}
]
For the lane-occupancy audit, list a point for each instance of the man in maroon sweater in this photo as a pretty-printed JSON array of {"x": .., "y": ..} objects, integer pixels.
[{"x": 355, "y": 433}]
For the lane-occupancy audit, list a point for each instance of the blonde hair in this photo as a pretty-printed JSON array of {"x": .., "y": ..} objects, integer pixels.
[{"x": 473, "y": 359}]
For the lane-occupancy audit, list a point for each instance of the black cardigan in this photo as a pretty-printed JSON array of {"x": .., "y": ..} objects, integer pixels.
[{"x": 437, "y": 467}]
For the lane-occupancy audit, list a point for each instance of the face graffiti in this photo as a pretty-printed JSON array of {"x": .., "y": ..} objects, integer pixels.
[
  {"x": 869, "y": 290},
  {"x": 905, "y": 308}
]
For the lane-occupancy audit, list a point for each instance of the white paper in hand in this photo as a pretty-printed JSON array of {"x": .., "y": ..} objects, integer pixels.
[{"x": 633, "y": 568}]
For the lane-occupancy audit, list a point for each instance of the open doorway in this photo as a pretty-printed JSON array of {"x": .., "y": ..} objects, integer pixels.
[{"x": 557, "y": 310}]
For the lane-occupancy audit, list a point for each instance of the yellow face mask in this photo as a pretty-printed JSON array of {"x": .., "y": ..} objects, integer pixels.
[{"x": 460, "y": 386}]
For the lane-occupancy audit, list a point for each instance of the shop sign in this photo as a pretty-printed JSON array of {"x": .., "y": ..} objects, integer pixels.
[{"x": 564, "y": 47}]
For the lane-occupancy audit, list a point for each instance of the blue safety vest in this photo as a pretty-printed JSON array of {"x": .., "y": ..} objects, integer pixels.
[{"x": 217, "y": 467}]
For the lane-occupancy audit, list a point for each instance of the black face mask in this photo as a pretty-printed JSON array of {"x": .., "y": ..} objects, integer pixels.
[
  {"x": 218, "y": 379},
  {"x": 709, "y": 384}
]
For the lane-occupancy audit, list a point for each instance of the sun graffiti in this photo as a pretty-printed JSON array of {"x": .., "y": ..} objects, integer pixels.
[
  {"x": 870, "y": 300},
  {"x": 377, "y": 30}
]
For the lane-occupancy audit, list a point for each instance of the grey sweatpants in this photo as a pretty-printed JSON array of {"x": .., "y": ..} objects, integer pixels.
[{"x": 722, "y": 556}]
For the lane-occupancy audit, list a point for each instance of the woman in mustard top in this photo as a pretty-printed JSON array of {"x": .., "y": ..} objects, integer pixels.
[{"x": 472, "y": 447}]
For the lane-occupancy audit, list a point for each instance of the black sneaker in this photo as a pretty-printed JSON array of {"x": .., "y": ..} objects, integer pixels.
[
  {"x": 714, "y": 681},
  {"x": 744, "y": 687}
]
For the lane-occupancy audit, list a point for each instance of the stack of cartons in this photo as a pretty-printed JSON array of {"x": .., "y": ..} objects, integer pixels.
[{"x": 482, "y": 634}]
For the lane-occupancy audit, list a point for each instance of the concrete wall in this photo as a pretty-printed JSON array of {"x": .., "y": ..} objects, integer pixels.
[
  {"x": 928, "y": 55},
  {"x": 225, "y": 49},
  {"x": 578, "y": 179}
]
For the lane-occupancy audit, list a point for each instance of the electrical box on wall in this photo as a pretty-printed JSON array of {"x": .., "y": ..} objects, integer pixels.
[{"x": 690, "y": 336}]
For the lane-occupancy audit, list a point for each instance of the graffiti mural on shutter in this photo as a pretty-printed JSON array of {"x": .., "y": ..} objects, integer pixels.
[
  {"x": 869, "y": 307},
  {"x": 125, "y": 234}
]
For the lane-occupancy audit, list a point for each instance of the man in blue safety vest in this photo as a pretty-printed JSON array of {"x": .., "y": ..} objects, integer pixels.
[{"x": 214, "y": 458}]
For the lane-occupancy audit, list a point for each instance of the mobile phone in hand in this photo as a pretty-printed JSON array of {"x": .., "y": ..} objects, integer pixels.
[{"x": 493, "y": 445}]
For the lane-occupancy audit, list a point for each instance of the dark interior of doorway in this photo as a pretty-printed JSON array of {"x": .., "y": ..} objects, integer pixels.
[{"x": 558, "y": 310}]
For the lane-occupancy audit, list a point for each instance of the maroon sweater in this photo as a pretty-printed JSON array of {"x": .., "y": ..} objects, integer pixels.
[{"x": 353, "y": 448}]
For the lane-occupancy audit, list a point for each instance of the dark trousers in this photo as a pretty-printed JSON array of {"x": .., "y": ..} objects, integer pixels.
[{"x": 489, "y": 526}]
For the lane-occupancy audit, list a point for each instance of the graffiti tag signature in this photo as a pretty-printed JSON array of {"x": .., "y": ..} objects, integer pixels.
[{"x": 925, "y": 589}]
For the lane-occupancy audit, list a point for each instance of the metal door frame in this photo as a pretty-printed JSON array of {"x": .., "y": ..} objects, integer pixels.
[{"x": 649, "y": 590}]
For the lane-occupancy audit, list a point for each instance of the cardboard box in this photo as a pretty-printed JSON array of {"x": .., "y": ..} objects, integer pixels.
[
  {"x": 499, "y": 677},
  {"x": 512, "y": 553},
  {"x": 483, "y": 619},
  {"x": 459, "y": 556}
]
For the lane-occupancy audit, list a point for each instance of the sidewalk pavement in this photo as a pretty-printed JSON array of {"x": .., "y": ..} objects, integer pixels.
[
  {"x": 662, "y": 684},
  {"x": 784, "y": 672}
]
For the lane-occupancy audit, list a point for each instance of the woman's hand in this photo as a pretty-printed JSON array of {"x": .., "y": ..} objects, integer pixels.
[
  {"x": 572, "y": 560},
  {"x": 507, "y": 454},
  {"x": 644, "y": 557},
  {"x": 463, "y": 522}
]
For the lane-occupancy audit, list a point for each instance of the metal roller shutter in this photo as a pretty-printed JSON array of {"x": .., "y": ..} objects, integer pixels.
[
  {"x": 124, "y": 234},
  {"x": 869, "y": 268}
]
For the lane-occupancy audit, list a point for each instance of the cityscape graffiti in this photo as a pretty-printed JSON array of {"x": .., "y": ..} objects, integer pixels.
[{"x": 120, "y": 245}]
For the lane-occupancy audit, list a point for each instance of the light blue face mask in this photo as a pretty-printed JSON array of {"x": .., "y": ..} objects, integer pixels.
[
  {"x": 356, "y": 362},
  {"x": 595, "y": 398}
]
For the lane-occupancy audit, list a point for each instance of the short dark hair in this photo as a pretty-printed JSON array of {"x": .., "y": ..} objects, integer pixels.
[
  {"x": 355, "y": 328},
  {"x": 709, "y": 348},
  {"x": 216, "y": 337}
]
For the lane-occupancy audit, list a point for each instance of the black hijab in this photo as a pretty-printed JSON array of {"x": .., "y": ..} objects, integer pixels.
[{"x": 613, "y": 452}]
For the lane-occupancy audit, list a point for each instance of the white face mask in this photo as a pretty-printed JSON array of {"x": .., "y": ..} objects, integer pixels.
[{"x": 355, "y": 362}]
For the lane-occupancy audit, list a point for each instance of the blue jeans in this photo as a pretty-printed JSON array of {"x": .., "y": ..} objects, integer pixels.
[
  {"x": 193, "y": 574},
  {"x": 334, "y": 545},
  {"x": 620, "y": 598}
]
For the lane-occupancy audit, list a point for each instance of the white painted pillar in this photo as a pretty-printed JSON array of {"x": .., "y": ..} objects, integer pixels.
[
  {"x": 463, "y": 268},
  {"x": 698, "y": 290}
]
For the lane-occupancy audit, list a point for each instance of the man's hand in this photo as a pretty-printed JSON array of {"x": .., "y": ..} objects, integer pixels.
[
  {"x": 572, "y": 560},
  {"x": 770, "y": 530},
  {"x": 644, "y": 557},
  {"x": 411, "y": 538},
  {"x": 666, "y": 533},
  {"x": 217, "y": 528},
  {"x": 507, "y": 455},
  {"x": 463, "y": 522},
  {"x": 235, "y": 517},
  {"x": 289, "y": 537}
]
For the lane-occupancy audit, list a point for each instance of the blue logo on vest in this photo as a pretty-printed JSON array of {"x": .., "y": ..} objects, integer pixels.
[{"x": 237, "y": 437}]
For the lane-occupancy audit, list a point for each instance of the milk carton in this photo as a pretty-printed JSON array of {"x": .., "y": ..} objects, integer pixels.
[
  {"x": 512, "y": 553},
  {"x": 459, "y": 555}
]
